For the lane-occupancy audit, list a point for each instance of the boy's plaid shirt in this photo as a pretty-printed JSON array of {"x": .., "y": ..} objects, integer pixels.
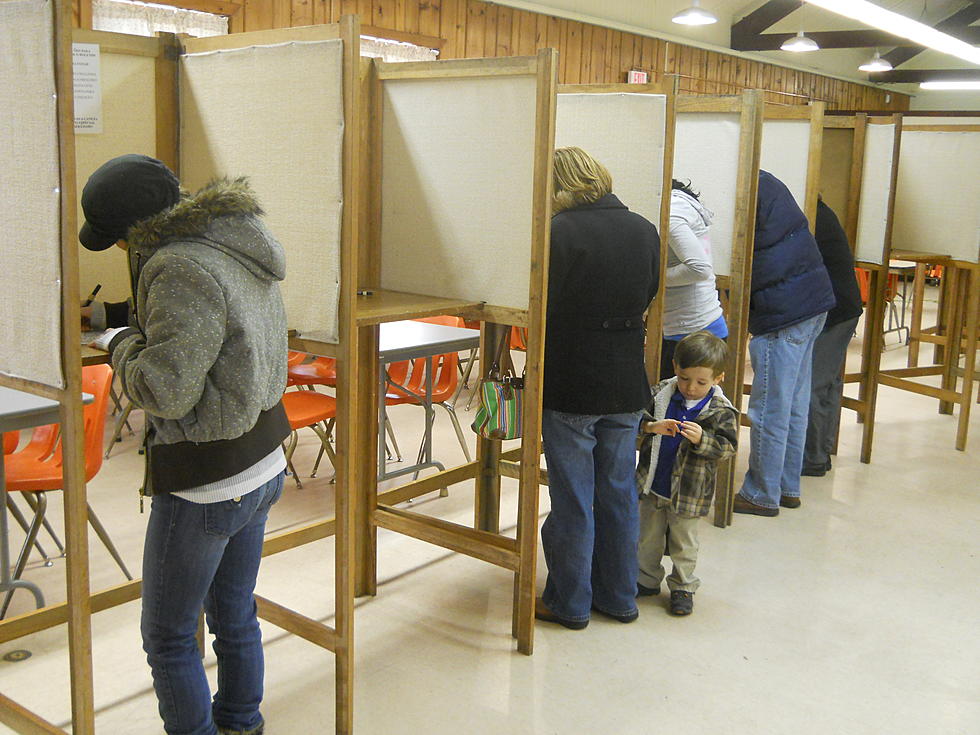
[{"x": 692, "y": 481}]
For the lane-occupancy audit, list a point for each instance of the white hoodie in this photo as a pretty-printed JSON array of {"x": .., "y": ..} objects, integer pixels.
[{"x": 691, "y": 299}]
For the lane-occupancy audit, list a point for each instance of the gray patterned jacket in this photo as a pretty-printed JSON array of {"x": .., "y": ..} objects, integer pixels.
[{"x": 209, "y": 355}]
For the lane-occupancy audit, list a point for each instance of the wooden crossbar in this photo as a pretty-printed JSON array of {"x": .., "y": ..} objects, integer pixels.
[
  {"x": 913, "y": 387},
  {"x": 297, "y": 624},
  {"x": 513, "y": 469},
  {"x": 498, "y": 550},
  {"x": 22, "y": 720}
]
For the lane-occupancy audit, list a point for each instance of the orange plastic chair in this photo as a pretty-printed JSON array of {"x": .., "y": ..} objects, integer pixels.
[
  {"x": 308, "y": 409},
  {"x": 29, "y": 473},
  {"x": 320, "y": 371},
  {"x": 41, "y": 445}
]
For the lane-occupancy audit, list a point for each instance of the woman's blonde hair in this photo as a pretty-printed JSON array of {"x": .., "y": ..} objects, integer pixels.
[{"x": 578, "y": 179}]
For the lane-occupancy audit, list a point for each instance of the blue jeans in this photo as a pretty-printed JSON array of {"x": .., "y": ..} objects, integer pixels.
[
  {"x": 205, "y": 555},
  {"x": 590, "y": 537},
  {"x": 778, "y": 408}
]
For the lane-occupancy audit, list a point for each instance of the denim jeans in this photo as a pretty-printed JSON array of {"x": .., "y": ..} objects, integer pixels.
[
  {"x": 590, "y": 537},
  {"x": 205, "y": 555},
  {"x": 829, "y": 353},
  {"x": 778, "y": 408}
]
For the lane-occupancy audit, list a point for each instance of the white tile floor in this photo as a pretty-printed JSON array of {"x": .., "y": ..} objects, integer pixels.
[{"x": 855, "y": 614}]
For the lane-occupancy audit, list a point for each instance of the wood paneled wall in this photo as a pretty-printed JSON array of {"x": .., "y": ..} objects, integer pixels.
[{"x": 587, "y": 53}]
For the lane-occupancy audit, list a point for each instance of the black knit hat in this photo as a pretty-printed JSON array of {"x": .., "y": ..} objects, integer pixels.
[{"x": 120, "y": 193}]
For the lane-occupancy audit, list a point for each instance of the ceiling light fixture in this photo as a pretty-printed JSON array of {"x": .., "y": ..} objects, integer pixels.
[
  {"x": 900, "y": 25},
  {"x": 695, "y": 16},
  {"x": 800, "y": 43},
  {"x": 950, "y": 85},
  {"x": 876, "y": 63}
]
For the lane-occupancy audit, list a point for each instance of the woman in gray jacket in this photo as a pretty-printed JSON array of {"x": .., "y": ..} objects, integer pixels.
[
  {"x": 691, "y": 297},
  {"x": 207, "y": 364}
]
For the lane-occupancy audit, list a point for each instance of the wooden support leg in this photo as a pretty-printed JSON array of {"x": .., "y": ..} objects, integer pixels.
[
  {"x": 363, "y": 482},
  {"x": 486, "y": 509},
  {"x": 942, "y": 316},
  {"x": 915, "y": 326},
  {"x": 874, "y": 337},
  {"x": 972, "y": 291},
  {"x": 951, "y": 353}
]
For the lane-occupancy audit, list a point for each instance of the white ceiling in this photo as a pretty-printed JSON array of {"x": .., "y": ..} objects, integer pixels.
[{"x": 653, "y": 17}]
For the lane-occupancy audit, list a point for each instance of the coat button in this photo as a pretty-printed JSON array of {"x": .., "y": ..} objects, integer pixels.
[
  {"x": 605, "y": 324},
  {"x": 629, "y": 323}
]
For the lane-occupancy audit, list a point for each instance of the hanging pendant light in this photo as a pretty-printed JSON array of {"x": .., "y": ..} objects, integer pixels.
[
  {"x": 876, "y": 63},
  {"x": 800, "y": 43},
  {"x": 695, "y": 16}
]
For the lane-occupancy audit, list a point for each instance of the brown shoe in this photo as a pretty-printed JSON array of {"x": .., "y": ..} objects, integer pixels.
[
  {"x": 541, "y": 612},
  {"x": 789, "y": 501},
  {"x": 745, "y": 506}
]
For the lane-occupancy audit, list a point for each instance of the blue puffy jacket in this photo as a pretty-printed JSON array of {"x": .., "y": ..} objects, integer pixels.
[{"x": 789, "y": 281}]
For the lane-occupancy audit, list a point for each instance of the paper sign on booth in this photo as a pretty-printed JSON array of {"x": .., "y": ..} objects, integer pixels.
[{"x": 87, "y": 82}]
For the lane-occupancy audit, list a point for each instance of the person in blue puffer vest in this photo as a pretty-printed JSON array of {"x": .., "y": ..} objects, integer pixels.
[{"x": 791, "y": 295}]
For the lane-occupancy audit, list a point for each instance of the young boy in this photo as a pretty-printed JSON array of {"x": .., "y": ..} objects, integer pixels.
[{"x": 689, "y": 427}]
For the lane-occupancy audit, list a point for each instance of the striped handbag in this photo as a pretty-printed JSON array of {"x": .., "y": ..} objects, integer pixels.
[{"x": 501, "y": 398}]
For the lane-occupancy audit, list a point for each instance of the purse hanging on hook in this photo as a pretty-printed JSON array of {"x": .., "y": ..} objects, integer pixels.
[{"x": 501, "y": 399}]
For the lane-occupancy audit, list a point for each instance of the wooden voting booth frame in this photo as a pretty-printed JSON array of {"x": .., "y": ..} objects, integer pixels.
[
  {"x": 451, "y": 91},
  {"x": 47, "y": 47},
  {"x": 339, "y": 638},
  {"x": 932, "y": 155},
  {"x": 863, "y": 161},
  {"x": 727, "y": 174}
]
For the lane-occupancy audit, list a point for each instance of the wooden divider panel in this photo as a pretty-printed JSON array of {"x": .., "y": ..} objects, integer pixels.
[
  {"x": 937, "y": 210},
  {"x": 706, "y": 152},
  {"x": 275, "y": 113},
  {"x": 457, "y": 173},
  {"x": 30, "y": 207},
  {"x": 877, "y": 193},
  {"x": 627, "y": 134},
  {"x": 785, "y": 154}
]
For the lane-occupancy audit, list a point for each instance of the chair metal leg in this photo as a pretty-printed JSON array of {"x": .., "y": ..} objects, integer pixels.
[
  {"x": 121, "y": 420},
  {"x": 451, "y": 410},
  {"x": 31, "y": 501},
  {"x": 324, "y": 446},
  {"x": 25, "y": 550},
  {"x": 106, "y": 541},
  {"x": 389, "y": 429},
  {"x": 289, "y": 459},
  {"x": 22, "y": 522}
]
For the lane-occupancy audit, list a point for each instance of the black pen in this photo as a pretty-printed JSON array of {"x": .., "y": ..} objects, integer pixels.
[{"x": 91, "y": 296}]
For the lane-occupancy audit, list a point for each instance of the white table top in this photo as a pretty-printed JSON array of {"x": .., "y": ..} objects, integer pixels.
[
  {"x": 408, "y": 339},
  {"x": 20, "y": 410}
]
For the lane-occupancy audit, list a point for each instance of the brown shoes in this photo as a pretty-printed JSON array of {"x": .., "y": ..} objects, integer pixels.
[
  {"x": 789, "y": 501},
  {"x": 541, "y": 612},
  {"x": 745, "y": 506}
]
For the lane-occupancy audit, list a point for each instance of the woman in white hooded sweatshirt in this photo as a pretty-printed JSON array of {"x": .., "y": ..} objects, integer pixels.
[{"x": 691, "y": 299}]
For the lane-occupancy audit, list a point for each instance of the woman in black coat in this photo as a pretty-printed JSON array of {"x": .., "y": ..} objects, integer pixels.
[{"x": 602, "y": 276}]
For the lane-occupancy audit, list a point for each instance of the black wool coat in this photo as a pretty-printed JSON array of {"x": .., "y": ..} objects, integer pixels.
[
  {"x": 605, "y": 263},
  {"x": 839, "y": 262}
]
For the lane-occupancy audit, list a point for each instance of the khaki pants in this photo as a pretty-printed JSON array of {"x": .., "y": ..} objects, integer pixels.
[{"x": 655, "y": 518}]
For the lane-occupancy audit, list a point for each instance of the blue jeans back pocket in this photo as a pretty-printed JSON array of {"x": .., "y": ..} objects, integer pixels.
[{"x": 230, "y": 516}]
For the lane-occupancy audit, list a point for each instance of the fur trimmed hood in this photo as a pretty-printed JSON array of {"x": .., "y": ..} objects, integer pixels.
[{"x": 224, "y": 215}]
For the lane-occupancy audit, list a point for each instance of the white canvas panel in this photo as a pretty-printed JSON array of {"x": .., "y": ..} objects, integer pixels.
[
  {"x": 875, "y": 189},
  {"x": 30, "y": 279},
  {"x": 937, "y": 206},
  {"x": 457, "y": 187},
  {"x": 625, "y": 132},
  {"x": 786, "y": 154},
  {"x": 706, "y": 146},
  {"x": 275, "y": 114},
  {"x": 128, "y": 126}
]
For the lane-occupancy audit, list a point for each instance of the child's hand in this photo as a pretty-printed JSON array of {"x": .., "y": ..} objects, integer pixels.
[
  {"x": 666, "y": 427},
  {"x": 691, "y": 431}
]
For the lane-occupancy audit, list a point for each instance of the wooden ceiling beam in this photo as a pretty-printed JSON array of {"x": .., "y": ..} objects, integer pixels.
[
  {"x": 840, "y": 39},
  {"x": 761, "y": 18}
]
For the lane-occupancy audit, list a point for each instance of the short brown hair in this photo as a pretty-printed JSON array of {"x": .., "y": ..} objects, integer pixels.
[
  {"x": 702, "y": 349},
  {"x": 578, "y": 179}
]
